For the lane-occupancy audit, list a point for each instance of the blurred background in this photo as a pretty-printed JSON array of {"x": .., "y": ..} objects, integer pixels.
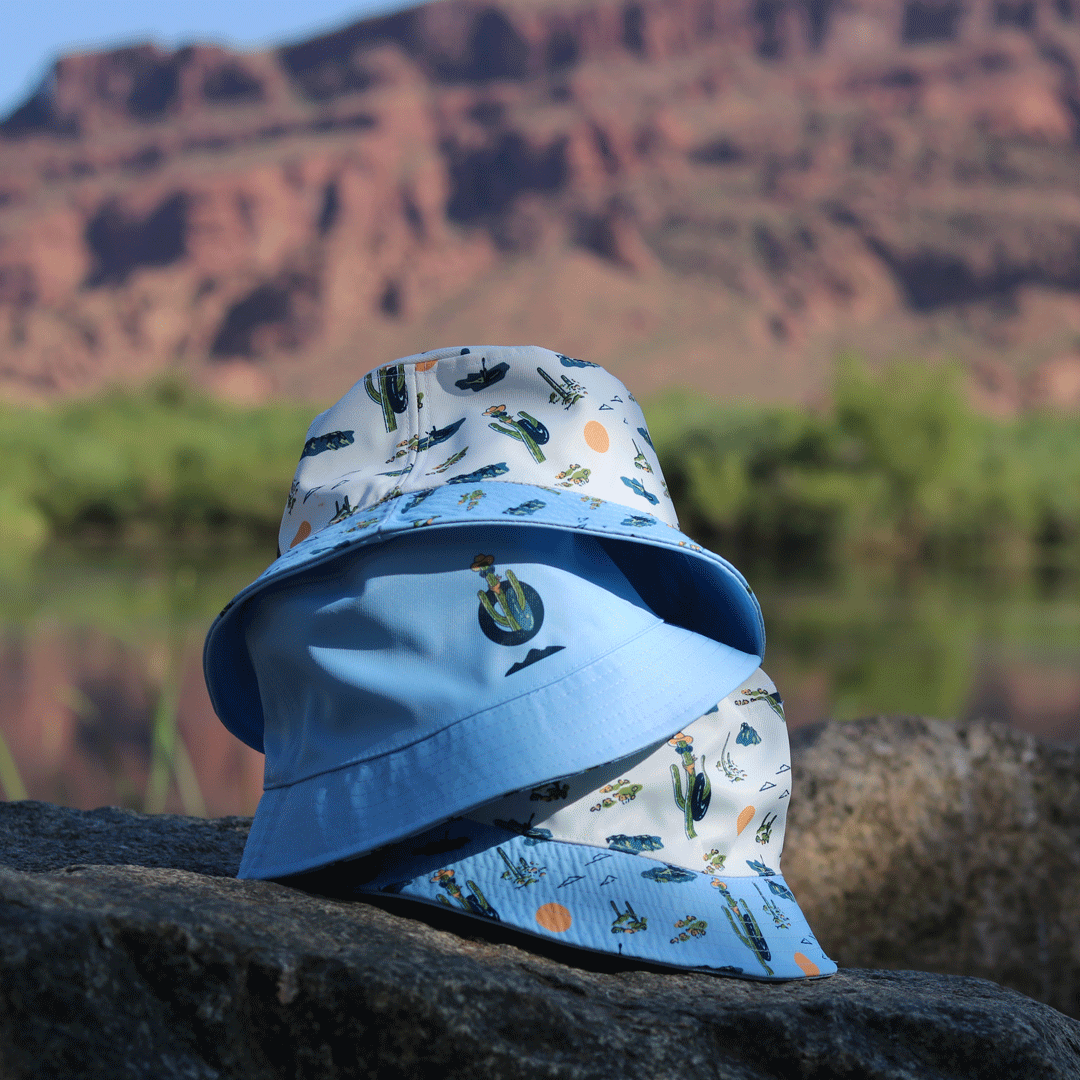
[{"x": 834, "y": 248}]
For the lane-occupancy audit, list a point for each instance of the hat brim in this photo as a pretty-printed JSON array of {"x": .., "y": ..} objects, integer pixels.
[
  {"x": 685, "y": 585},
  {"x": 603, "y": 711},
  {"x": 598, "y": 899}
]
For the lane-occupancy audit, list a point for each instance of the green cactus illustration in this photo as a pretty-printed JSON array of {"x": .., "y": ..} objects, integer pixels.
[
  {"x": 393, "y": 493},
  {"x": 421, "y": 443},
  {"x": 453, "y": 459},
  {"x": 342, "y": 511},
  {"x": 764, "y": 832},
  {"x": 640, "y": 460},
  {"x": 362, "y": 525},
  {"x": 506, "y": 617},
  {"x": 745, "y": 927},
  {"x": 773, "y": 700},
  {"x": 510, "y": 610},
  {"x": 522, "y": 874},
  {"x": 628, "y": 921},
  {"x": 698, "y": 787},
  {"x": 392, "y": 393},
  {"x": 772, "y": 909},
  {"x": 473, "y": 902},
  {"x": 565, "y": 392},
  {"x": 526, "y": 429}
]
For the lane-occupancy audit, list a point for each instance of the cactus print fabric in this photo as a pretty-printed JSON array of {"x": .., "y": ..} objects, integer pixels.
[
  {"x": 481, "y": 588},
  {"x": 461, "y": 416},
  {"x": 493, "y": 436},
  {"x": 671, "y": 855},
  {"x": 699, "y": 799}
]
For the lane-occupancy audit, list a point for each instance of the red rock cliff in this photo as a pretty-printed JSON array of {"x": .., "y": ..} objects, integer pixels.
[{"x": 718, "y": 192}]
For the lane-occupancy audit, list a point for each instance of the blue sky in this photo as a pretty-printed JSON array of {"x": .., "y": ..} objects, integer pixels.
[{"x": 34, "y": 32}]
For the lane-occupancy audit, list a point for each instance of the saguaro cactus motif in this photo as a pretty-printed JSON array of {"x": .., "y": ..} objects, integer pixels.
[
  {"x": 628, "y": 921},
  {"x": 527, "y": 429},
  {"x": 513, "y": 608},
  {"x": 772, "y": 909},
  {"x": 474, "y": 901},
  {"x": 392, "y": 393},
  {"x": 566, "y": 391},
  {"x": 745, "y": 927},
  {"x": 640, "y": 460},
  {"x": 523, "y": 873},
  {"x": 698, "y": 788},
  {"x": 764, "y": 831}
]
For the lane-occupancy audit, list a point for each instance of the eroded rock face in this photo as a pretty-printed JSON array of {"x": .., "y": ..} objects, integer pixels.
[
  {"x": 127, "y": 949},
  {"x": 716, "y": 193}
]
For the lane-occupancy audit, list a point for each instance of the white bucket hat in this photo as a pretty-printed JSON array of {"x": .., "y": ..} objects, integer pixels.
[
  {"x": 671, "y": 856},
  {"x": 482, "y": 588}
]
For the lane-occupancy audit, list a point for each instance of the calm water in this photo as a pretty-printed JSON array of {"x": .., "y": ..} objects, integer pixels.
[{"x": 101, "y": 649}]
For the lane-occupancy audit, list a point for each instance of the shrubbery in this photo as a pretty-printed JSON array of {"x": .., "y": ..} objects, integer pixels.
[
  {"x": 898, "y": 468},
  {"x": 167, "y": 461}
]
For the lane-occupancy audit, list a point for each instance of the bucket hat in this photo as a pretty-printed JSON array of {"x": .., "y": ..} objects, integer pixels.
[
  {"x": 406, "y": 683},
  {"x": 670, "y": 856},
  {"x": 481, "y": 587}
]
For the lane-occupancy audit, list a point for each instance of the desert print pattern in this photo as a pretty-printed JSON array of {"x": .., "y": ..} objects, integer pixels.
[
  {"x": 464, "y": 415},
  {"x": 642, "y": 855},
  {"x": 713, "y": 798}
]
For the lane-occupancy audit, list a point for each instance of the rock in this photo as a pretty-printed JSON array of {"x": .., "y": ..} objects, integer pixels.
[
  {"x": 787, "y": 178},
  {"x": 127, "y": 971},
  {"x": 36, "y": 836},
  {"x": 949, "y": 847},
  {"x": 911, "y": 842}
]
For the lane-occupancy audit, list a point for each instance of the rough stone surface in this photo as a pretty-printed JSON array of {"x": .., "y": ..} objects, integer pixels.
[
  {"x": 37, "y": 836},
  {"x": 912, "y": 842},
  {"x": 126, "y": 971},
  {"x": 950, "y": 847}
]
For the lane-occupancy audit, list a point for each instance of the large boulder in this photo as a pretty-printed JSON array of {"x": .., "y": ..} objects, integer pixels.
[
  {"x": 127, "y": 949},
  {"x": 127, "y": 971},
  {"x": 941, "y": 846}
]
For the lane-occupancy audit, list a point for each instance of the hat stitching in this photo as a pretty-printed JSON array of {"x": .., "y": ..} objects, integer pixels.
[
  {"x": 581, "y": 696},
  {"x": 447, "y": 739},
  {"x": 577, "y": 672}
]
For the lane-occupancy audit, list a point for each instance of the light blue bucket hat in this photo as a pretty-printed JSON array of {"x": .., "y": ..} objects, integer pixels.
[
  {"x": 670, "y": 856},
  {"x": 481, "y": 588}
]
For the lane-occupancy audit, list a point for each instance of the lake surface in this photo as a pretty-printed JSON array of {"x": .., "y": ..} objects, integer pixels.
[{"x": 102, "y": 699}]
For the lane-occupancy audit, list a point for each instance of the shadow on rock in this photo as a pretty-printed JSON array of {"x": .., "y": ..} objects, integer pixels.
[{"x": 127, "y": 949}]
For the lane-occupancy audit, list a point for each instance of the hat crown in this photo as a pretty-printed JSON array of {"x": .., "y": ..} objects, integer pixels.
[
  {"x": 712, "y": 798},
  {"x": 466, "y": 415}
]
